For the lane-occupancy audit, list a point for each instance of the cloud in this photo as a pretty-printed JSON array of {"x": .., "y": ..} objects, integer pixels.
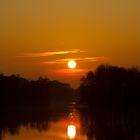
[
  {"x": 52, "y": 53},
  {"x": 62, "y": 52},
  {"x": 82, "y": 59}
]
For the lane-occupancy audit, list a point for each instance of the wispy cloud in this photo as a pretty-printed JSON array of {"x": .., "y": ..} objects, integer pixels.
[
  {"x": 83, "y": 59},
  {"x": 65, "y": 52},
  {"x": 51, "y": 53}
]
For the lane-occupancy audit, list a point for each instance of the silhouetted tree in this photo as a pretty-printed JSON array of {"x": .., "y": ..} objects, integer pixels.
[
  {"x": 112, "y": 95},
  {"x": 24, "y": 102}
]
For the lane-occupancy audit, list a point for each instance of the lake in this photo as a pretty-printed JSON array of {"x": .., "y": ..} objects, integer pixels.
[{"x": 62, "y": 125}]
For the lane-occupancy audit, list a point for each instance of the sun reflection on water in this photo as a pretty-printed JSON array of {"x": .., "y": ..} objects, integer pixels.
[
  {"x": 67, "y": 127},
  {"x": 73, "y": 121},
  {"x": 71, "y": 131}
]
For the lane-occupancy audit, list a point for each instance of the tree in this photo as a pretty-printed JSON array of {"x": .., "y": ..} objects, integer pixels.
[{"x": 112, "y": 96}]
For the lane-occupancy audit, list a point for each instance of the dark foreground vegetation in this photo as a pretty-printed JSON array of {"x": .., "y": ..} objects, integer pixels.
[
  {"x": 112, "y": 97},
  {"x": 109, "y": 103},
  {"x": 31, "y": 102}
]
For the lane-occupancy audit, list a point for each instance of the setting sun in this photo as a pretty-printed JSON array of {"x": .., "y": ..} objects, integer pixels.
[{"x": 72, "y": 64}]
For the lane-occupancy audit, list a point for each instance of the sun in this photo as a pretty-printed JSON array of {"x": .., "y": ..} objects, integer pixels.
[{"x": 72, "y": 64}]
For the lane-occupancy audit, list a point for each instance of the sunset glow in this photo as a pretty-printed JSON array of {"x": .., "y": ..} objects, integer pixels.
[{"x": 39, "y": 38}]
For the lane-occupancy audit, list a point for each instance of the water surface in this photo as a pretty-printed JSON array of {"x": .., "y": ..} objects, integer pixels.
[{"x": 55, "y": 129}]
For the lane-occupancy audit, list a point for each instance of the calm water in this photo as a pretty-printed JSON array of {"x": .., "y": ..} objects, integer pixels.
[{"x": 61, "y": 126}]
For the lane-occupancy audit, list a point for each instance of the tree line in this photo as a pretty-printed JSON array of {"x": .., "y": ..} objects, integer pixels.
[
  {"x": 31, "y": 102},
  {"x": 112, "y": 97}
]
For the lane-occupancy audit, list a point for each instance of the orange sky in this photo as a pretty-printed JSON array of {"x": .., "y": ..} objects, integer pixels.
[{"x": 37, "y": 37}]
